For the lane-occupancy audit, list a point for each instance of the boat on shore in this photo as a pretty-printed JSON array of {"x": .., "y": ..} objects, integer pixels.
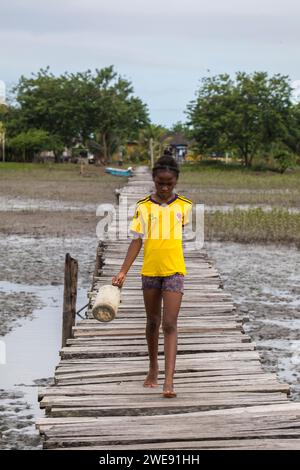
[{"x": 119, "y": 171}]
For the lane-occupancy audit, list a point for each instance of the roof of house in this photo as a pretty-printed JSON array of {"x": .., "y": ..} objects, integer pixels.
[{"x": 174, "y": 138}]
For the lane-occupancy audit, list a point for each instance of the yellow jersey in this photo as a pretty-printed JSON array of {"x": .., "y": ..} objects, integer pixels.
[{"x": 160, "y": 225}]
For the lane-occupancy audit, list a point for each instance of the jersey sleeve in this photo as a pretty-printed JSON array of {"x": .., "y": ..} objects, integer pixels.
[
  {"x": 137, "y": 225},
  {"x": 187, "y": 214}
]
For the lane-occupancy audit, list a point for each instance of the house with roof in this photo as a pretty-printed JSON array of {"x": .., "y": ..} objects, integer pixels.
[{"x": 176, "y": 145}]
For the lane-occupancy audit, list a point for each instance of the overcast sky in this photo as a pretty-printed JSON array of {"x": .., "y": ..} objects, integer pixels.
[{"x": 163, "y": 46}]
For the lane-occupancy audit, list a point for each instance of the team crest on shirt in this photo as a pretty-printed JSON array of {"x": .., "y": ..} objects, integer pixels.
[
  {"x": 152, "y": 217},
  {"x": 178, "y": 216}
]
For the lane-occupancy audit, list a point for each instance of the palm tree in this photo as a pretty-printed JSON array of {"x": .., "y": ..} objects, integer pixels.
[{"x": 154, "y": 132}]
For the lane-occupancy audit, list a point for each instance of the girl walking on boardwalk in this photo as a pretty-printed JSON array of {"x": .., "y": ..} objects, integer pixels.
[{"x": 159, "y": 219}]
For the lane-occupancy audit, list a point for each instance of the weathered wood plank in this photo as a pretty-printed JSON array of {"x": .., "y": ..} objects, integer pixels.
[
  {"x": 233, "y": 444},
  {"x": 213, "y": 425}
]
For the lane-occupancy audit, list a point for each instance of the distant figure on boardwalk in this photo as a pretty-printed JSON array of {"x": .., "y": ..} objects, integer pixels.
[{"x": 159, "y": 219}]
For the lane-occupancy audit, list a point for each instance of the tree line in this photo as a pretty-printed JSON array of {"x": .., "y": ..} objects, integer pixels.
[
  {"x": 245, "y": 116},
  {"x": 87, "y": 109}
]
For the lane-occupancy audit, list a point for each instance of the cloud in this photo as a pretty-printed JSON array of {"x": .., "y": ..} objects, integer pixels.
[
  {"x": 192, "y": 18},
  {"x": 162, "y": 45}
]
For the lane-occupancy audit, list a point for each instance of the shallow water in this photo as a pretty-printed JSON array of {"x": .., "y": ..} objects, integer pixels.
[
  {"x": 32, "y": 353},
  {"x": 19, "y": 204},
  {"x": 32, "y": 348}
]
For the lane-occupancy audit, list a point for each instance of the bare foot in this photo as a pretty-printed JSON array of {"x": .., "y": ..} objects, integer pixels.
[
  {"x": 168, "y": 391},
  {"x": 151, "y": 379}
]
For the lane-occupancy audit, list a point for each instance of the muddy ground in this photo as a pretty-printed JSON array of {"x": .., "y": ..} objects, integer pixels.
[
  {"x": 42, "y": 223},
  {"x": 31, "y": 261},
  {"x": 265, "y": 284}
]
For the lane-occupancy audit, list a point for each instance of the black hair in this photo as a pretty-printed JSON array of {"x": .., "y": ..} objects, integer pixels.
[{"x": 165, "y": 162}]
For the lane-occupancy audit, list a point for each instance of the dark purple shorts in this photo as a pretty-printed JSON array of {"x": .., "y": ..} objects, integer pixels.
[{"x": 173, "y": 283}]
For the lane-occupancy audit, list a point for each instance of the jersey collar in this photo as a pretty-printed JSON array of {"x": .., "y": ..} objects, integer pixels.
[{"x": 164, "y": 203}]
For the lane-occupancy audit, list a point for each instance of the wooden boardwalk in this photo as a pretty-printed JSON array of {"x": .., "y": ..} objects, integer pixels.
[{"x": 225, "y": 400}]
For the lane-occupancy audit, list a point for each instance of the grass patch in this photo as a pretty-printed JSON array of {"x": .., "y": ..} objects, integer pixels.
[
  {"x": 219, "y": 175},
  {"x": 253, "y": 226},
  {"x": 219, "y": 196},
  {"x": 56, "y": 172},
  {"x": 61, "y": 182}
]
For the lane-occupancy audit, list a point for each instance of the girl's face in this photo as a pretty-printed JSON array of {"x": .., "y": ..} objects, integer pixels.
[{"x": 165, "y": 181}]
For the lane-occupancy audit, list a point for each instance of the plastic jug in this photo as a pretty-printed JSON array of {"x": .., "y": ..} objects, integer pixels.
[{"x": 106, "y": 303}]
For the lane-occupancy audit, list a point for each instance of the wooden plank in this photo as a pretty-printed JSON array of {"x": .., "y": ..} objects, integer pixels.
[
  {"x": 208, "y": 327},
  {"x": 183, "y": 339},
  {"x": 233, "y": 444},
  {"x": 214, "y": 425},
  {"x": 100, "y": 351},
  {"x": 180, "y": 376},
  {"x": 129, "y": 388},
  {"x": 153, "y": 398}
]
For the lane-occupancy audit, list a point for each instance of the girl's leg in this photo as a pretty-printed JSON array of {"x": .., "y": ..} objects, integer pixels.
[
  {"x": 171, "y": 303},
  {"x": 152, "y": 300}
]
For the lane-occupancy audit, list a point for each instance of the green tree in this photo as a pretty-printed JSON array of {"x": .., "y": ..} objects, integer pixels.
[
  {"x": 283, "y": 157},
  {"x": 292, "y": 140},
  {"x": 154, "y": 132},
  {"x": 118, "y": 114},
  {"x": 243, "y": 115},
  {"x": 34, "y": 141},
  {"x": 182, "y": 128},
  {"x": 82, "y": 106}
]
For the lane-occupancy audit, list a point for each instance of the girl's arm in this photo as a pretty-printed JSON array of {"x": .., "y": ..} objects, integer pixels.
[{"x": 132, "y": 252}]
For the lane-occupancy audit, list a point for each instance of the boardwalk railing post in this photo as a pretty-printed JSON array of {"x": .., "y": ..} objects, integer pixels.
[
  {"x": 70, "y": 295},
  {"x": 99, "y": 260}
]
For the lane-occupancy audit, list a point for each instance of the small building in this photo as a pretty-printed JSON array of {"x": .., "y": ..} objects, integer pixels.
[
  {"x": 2, "y": 92},
  {"x": 175, "y": 144}
]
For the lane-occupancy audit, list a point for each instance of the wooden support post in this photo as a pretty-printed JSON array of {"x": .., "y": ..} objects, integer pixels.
[
  {"x": 99, "y": 259},
  {"x": 117, "y": 193},
  {"x": 151, "y": 153},
  {"x": 70, "y": 295},
  {"x": 81, "y": 166}
]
